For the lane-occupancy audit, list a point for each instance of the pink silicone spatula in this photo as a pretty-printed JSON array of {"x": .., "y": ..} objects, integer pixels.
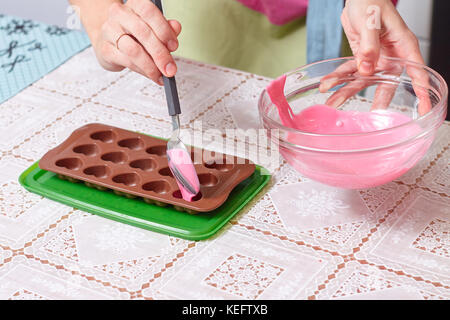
[{"x": 178, "y": 157}]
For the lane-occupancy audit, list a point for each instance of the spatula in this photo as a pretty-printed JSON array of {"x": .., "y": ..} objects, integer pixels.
[{"x": 178, "y": 157}]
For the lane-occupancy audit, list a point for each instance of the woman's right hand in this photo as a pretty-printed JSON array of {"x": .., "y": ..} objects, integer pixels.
[{"x": 137, "y": 36}]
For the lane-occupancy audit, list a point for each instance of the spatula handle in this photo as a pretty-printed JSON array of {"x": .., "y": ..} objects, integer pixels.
[
  {"x": 173, "y": 103},
  {"x": 158, "y": 4},
  {"x": 170, "y": 85}
]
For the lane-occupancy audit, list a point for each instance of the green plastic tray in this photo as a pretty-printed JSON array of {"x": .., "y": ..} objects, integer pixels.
[{"x": 136, "y": 212}]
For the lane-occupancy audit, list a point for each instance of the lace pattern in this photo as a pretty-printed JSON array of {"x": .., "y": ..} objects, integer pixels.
[
  {"x": 243, "y": 276},
  {"x": 295, "y": 240},
  {"x": 435, "y": 238}
]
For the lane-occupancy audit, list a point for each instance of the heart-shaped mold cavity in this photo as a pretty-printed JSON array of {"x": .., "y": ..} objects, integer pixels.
[
  {"x": 144, "y": 164},
  {"x": 97, "y": 171},
  {"x": 106, "y": 136},
  {"x": 69, "y": 163},
  {"x": 132, "y": 143},
  {"x": 197, "y": 197},
  {"x": 86, "y": 149},
  {"x": 222, "y": 166},
  {"x": 159, "y": 186},
  {"x": 165, "y": 172},
  {"x": 158, "y": 150},
  {"x": 115, "y": 157},
  {"x": 177, "y": 194},
  {"x": 128, "y": 179},
  {"x": 207, "y": 179}
]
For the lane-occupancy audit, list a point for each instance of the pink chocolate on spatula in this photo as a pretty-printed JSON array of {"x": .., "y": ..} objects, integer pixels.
[{"x": 182, "y": 160}]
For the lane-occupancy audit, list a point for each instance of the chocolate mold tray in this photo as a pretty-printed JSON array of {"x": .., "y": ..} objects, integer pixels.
[
  {"x": 135, "y": 165},
  {"x": 136, "y": 212}
]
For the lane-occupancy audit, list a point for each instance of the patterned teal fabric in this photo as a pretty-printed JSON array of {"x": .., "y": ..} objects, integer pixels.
[{"x": 30, "y": 50}]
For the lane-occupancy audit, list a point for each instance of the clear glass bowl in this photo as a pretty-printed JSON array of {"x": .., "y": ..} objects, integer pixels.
[{"x": 362, "y": 160}]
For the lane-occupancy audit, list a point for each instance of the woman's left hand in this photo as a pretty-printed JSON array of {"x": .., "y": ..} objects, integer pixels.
[{"x": 374, "y": 28}]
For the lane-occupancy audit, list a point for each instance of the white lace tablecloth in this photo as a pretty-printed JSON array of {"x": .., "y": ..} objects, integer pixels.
[{"x": 390, "y": 242}]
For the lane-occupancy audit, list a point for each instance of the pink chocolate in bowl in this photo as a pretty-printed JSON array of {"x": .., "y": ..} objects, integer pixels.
[{"x": 336, "y": 154}]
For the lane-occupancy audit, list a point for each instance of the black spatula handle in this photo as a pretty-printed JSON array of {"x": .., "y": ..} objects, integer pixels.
[{"x": 170, "y": 85}]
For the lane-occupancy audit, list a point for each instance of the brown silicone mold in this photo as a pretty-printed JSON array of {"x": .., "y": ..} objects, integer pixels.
[{"x": 135, "y": 165}]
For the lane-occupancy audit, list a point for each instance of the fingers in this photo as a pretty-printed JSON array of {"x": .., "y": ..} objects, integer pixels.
[
  {"x": 361, "y": 21},
  {"x": 340, "y": 76},
  {"x": 407, "y": 47},
  {"x": 153, "y": 17},
  {"x": 128, "y": 40},
  {"x": 385, "y": 91},
  {"x": 134, "y": 25},
  {"x": 118, "y": 58},
  {"x": 176, "y": 26},
  {"x": 335, "y": 78},
  {"x": 138, "y": 58},
  {"x": 340, "y": 96},
  {"x": 348, "y": 69},
  {"x": 383, "y": 96},
  {"x": 121, "y": 49},
  {"x": 113, "y": 60},
  {"x": 419, "y": 76},
  {"x": 371, "y": 30},
  {"x": 368, "y": 51},
  {"x": 421, "y": 84}
]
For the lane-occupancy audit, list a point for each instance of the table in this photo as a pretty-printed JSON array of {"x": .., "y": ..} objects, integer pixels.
[{"x": 296, "y": 240}]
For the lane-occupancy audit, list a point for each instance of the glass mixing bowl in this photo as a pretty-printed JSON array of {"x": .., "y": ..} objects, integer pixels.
[{"x": 361, "y": 160}]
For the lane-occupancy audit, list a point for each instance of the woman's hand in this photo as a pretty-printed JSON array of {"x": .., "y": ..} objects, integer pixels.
[
  {"x": 374, "y": 28},
  {"x": 134, "y": 35}
]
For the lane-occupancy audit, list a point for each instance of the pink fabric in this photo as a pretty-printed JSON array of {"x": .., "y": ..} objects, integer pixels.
[{"x": 280, "y": 12}]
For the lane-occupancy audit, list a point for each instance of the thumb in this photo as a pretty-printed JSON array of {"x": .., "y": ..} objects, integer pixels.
[{"x": 368, "y": 51}]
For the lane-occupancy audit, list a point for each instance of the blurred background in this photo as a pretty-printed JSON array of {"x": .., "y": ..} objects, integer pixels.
[{"x": 428, "y": 19}]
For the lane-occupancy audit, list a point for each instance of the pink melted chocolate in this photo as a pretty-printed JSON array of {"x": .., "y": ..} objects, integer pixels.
[
  {"x": 182, "y": 160},
  {"x": 342, "y": 169},
  {"x": 323, "y": 119}
]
